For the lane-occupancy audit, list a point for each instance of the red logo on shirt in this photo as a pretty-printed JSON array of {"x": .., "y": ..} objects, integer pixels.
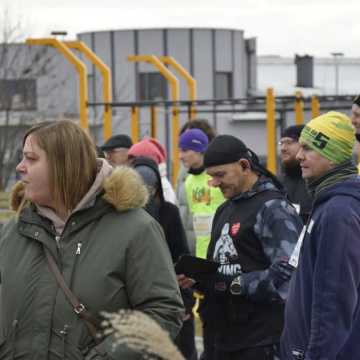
[{"x": 235, "y": 229}]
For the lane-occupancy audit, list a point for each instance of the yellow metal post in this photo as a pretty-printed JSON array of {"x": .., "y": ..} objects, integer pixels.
[
  {"x": 270, "y": 129},
  {"x": 175, "y": 91},
  {"x": 299, "y": 108},
  {"x": 191, "y": 82},
  {"x": 79, "y": 67},
  {"x": 135, "y": 124},
  {"x": 153, "y": 120},
  {"x": 315, "y": 107},
  {"x": 106, "y": 75}
]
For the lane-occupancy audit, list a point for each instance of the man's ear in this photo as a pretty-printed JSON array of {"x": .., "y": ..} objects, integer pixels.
[{"x": 245, "y": 164}]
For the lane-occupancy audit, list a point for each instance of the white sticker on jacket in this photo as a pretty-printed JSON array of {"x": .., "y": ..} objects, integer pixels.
[
  {"x": 294, "y": 258},
  {"x": 309, "y": 228}
]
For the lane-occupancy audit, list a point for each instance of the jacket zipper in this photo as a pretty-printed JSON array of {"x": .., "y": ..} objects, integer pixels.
[
  {"x": 63, "y": 334},
  {"x": 78, "y": 250},
  {"x": 64, "y": 331},
  {"x": 14, "y": 333},
  {"x": 57, "y": 239},
  {"x": 77, "y": 255}
]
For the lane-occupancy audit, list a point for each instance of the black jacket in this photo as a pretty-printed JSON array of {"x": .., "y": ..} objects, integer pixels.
[
  {"x": 168, "y": 216},
  {"x": 253, "y": 236},
  {"x": 298, "y": 194},
  {"x": 166, "y": 213}
]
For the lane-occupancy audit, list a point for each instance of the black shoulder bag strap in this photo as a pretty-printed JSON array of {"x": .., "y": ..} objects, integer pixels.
[{"x": 91, "y": 322}]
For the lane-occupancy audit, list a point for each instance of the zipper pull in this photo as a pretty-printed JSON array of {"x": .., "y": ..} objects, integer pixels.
[
  {"x": 78, "y": 248},
  {"x": 57, "y": 239}
]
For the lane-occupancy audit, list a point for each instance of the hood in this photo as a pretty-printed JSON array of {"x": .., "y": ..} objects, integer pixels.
[
  {"x": 349, "y": 187},
  {"x": 160, "y": 148},
  {"x": 143, "y": 161},
  {"x": 263, "y": 184},
  {"x": 123, "y": 189}
]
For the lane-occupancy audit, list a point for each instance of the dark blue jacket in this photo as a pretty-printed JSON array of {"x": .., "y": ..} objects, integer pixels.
[{"x": 322, "y": 316}]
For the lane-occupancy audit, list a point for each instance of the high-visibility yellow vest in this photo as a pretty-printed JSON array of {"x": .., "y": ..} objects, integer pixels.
[{"x": 203, "y": 201}]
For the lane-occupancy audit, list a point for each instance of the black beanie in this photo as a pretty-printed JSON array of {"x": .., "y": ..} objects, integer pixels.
[
  {"x": 356, "y": 101},
  {"x": 227, "y": 149},
  {"x": 224, "y": 149},
  {"x": 293, "y": 132}
]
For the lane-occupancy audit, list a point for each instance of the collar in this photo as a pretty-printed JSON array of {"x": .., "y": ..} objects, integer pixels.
[{"x": 196, "y": 171}]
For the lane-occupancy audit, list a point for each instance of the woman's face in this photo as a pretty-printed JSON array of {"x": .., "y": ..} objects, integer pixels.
[{"x": 34, "y": 172}]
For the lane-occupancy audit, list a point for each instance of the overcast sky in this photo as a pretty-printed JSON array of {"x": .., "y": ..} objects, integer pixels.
[{"x": 284, "y": 27}]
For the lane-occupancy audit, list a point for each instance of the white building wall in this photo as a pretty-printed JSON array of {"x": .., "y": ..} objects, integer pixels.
[
  {"x": 124, "y": 78},
  {"x": 223, "y": 51},
  {"x": 203, "y": 63},
  {"x": 181, "y": 54},
  {"x": 150, "y": 43},
  {"x": 240, "y": 75}
]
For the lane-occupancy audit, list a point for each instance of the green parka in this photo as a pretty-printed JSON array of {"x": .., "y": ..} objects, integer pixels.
[{"x": 113, "y": 256}]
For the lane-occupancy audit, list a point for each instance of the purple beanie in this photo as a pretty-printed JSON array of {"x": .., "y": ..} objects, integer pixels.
[{"x": 193, "y": 139}]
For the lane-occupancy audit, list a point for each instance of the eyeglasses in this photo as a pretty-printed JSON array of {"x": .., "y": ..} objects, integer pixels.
[{"x": 286, "y": 142}]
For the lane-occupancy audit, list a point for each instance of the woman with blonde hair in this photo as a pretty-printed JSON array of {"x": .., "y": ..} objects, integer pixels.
[{"x": 79, "y": 245}]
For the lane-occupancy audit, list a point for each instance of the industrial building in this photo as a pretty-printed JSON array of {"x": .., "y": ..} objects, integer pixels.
[{"x": 38, "y": 83}]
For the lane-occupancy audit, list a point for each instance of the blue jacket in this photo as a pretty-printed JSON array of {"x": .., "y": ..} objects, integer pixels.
[{"x": 322, "y": 316}]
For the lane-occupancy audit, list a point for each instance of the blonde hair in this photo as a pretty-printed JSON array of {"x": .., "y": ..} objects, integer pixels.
[
  {"x": 141, "y": 334},
  {"x": 71, "y": 156}
]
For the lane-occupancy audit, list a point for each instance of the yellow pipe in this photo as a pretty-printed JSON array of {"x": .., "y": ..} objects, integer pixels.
[
  {"x": 79, "y": 67},
  {"x": 299, "y": 108},
  {"x": 106, "y": 75},
  {"x": 175, "y": 140},
  {"x": 270, "y": 129},
  {"x": 135, "y": 124},
  {"x": 175, "y": 92},
  {"x": 191, "y": 82},
  {"x": 315, "y": 107},
  {"x": 153, "y": 121}
]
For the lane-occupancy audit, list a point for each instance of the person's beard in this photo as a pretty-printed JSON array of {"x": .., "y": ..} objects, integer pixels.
[
  {"x": 291, "y": 168},
  {"x": 357, "y": 136}
]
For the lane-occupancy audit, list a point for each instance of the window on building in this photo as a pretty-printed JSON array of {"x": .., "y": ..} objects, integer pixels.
[
  {"x": 152, "y": 87},
  {"x": 223, "y": 85},
  {"x": 18, "y": 94}
]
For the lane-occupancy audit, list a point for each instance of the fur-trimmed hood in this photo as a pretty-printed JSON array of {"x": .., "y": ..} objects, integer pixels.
[{"x": 123, "y": 189}]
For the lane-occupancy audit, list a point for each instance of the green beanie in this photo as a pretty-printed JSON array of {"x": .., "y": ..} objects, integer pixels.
[{"x": 331, "y": 135}]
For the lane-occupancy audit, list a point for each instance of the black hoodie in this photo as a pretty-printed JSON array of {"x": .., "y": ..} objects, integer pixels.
[{"x": 166, "y": 213}]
